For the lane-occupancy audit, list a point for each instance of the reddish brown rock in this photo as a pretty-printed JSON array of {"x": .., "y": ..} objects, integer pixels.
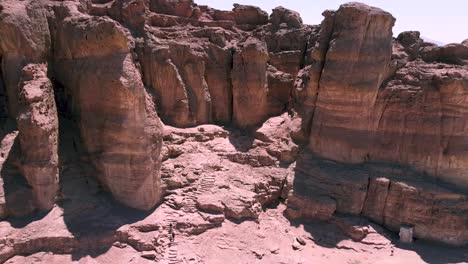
[
  {"x": 282, "y": 15},
  {"x": 307, "y": 82},
  {"x": 420, "y": 207},
  {"x": 251, "y": 15},
  {"x": 190, "y": 78},
  {"x": 451, "y": 53},
  {"x": 377, "y": 196},
  {"x": 411, "y": 42},
  {"x": 310, "y": 207},
  {"x": 37, "y": 123},
  {"x": 356, "y": 61},
  {"x": 279, "y": 89},
  {"x": 181, "y": 8},
  {"x": 20, "y": 45},
  {"x": 115, "y": 63},
  {"x": 345, "y": 184},
  {"x": 398, "y": 197},
  {"x": 276, "y": 131},
  {"x": 249, "y": 83},
  {"x": 130, "y": 13},
  {"x": 122, "y": 134},
  {"x": 435, "y": 96}
]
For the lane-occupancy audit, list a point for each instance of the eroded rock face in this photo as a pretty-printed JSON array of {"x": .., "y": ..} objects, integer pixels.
[
  {"x": 118, "y": 124},
  {"x": 20, "y": 44},
  {"x": 435, "y": 95},
  {"x": 332, "y": 119},
  {"x": 354, "y": 68},
  {"x": 387, "y": 194},
  {"x": 181, "y": 8},
  {"x": 37, "y": 123},
  {"x": 250, "y": 86}
]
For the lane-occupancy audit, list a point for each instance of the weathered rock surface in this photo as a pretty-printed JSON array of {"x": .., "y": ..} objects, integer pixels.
[
  {"x": 250, "y": 83},
  {"x": 424, "y": 103},
  {"x": 396, "y": 107},
  {"x": 328, "y": 122},
  {"x": 354, "y": 68},
  {"x": 121, "y": 133},
  {"x": 37, "y": 123},
  {"x": 389, "y": 195},
  {"x": 21, "y": 44}
]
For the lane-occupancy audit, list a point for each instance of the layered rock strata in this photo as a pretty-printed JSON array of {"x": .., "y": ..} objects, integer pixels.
[
  {"x": 118, "y": 123},
  {"x": 361, "y": 109},
  {"x": 37, "y": 123},
  {"x": 21, "y": 44}
]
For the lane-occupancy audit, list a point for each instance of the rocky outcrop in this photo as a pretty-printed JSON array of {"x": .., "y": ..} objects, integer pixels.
[
  {"x": 250, "y": 83},
  {"x": 282, "y": 15},
  {"x": 334, "y": 119},
  {"x": 387, "y": 194},
  {"x": 117, "y": 120},
  {"x": 356, "y": 61},
  {"x": 451, "y": 53},
  {"x": 37, "y": 123},
  {"x": 307, "y": 82},
  {"x": 424, "y": 103},
  {"x": 436, "y": 213},
  {"x": 20, "y": 44},
  {"x": 203, "y": 66},
  {"x": 181, "y": 8}
]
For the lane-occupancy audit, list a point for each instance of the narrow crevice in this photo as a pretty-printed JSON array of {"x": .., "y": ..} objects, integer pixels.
[
  {"x": 210, "y": 111},
  {"x": 304, "y": 53},
  {"x": 230, "y": 85},
  {"x": 367, "y": 195},
  {"x": 3, "y": 93},
  {"x": 385, "y": 202},
  {"x": 323, "y": 60},
  {"x": 62, "y": 100}
]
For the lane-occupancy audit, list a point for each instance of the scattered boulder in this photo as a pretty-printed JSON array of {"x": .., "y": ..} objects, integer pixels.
[
  {"x": 282, "y": 15},
  {"x": 250, "y": 15},
  {"x": 181, "y": 8}
]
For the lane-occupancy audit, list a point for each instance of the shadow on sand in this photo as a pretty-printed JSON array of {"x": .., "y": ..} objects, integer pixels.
[
  {"x": 90, "y": 214},
  {"x": 18, "y": 193},
  {"x": 328, "y": 234}
]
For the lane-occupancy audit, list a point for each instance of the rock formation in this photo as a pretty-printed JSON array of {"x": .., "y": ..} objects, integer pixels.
[
  {"x": 334, "y": 122},
  {"x": 37, "y": 122},
  {"x": 21, "y": 45},
  {"x": 356, "y": 61},
  {"x": 117, "y": 120}
]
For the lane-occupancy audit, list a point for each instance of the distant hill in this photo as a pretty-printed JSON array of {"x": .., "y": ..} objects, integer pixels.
[{"x": 439, "y": 43}]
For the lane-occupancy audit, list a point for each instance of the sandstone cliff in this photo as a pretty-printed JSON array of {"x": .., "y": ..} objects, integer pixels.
[
  {"x": 38, "y": 134},
  {"x": 333, "y": 119}
]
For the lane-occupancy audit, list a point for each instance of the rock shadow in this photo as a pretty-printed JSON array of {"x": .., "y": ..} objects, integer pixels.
[
  {"x": 18, "y": 193},
  {"x": 240, "y": 139},
  {"x": 89, "y": 212},
  {"x": 436, "y": 253},
  {"x": 324, "y": 234},
  {"x": 315, "y": 177}
]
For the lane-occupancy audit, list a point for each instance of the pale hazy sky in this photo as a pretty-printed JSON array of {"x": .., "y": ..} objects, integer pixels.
[{"x": 440, "y": 20}]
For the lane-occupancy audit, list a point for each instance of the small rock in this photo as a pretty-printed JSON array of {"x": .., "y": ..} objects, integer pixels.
[
  {"x": 274, "y": 250},
  {"x": 301, "y": 240},
  {"x": 258, "y": 254},
  {"x": 120, "y": 245},
  {"x": 148, "y": 255},
  {"x": 296, "y": 245}
]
